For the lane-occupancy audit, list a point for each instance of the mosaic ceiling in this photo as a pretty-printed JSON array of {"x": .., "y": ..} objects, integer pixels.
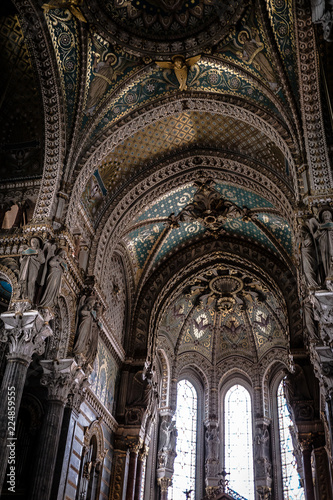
[
  {"x": 21, "y": 118},
  {"x": 176, "y": 134},
  {"x": 239, "y": 63},
  {"x": 167, "y": 225},
  {"x": 224, "y": 311}
]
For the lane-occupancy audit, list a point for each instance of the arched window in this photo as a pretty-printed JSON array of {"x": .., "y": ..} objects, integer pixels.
[
  {"x": 238, "y": 452},
  {"x": 184, "y": 476},
  {"x": 292, "y": 488}
]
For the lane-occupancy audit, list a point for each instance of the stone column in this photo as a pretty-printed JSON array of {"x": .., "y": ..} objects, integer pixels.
[
  {"x": 323, "y": 479},
  {"x": 164, "y": 483},
  {"x": 306, "y": 447},
  {"x": 212, "y": 462},
  {"x": 262, "y": 458},
  {"x": 132, "y": 469},
  {"x": 25, "y": 333},
  {"x": 140, "y": 471},
  {"x": 61, "y": 378}
]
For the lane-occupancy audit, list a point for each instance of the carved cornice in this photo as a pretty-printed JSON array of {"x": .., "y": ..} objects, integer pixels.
[
  {"x": 315, "y": 143},
  {"x": 100, "y": 409}
]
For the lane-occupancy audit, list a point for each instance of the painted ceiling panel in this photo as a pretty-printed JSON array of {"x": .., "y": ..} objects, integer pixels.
[
  {"x": 141, "y": 241},
  {"x": 175, "y": 134},
  {"x": 178, "y": 237},
  {"x": 171, "y": 202},
  {"x": 280, "y": 228},
  {"x": 239, "y": 317}
]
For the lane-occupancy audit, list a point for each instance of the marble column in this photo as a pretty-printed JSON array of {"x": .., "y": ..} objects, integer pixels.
[
  {"x": 142, "y": 457},
  {"x": 132, "y": 469},
  {"x": 306, "y": 447},
  {"x": 61, "y": 378},
  {"x": 25, "y": 333}
]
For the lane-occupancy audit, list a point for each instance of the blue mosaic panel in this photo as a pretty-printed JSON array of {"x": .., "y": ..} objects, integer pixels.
[
  {"x": 280, "y": 228},
  {"x": 172, "y": 202},
  {"x": 179, "y": 236},
  {"x": 242, "y": 197},
  {"x": 103, "y": 377},
  {"x": 250, "y": 230},
  {"x": 64, "y": 33},
  {"x": 141, "y": 241}
]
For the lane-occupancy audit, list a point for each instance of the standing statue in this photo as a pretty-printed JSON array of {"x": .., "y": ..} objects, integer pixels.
[
  {"x": 309, "y": 256},
  {"x": 56, "y": 268},
  {"x": 86, "y": 341},
  {"x": 30, "y": 265},
  {"x": 324, "y": 238},
  {"x": 212, "y": 444},
  {"x": 262, "y": 442},
  {"x": 168, "y": 436}
]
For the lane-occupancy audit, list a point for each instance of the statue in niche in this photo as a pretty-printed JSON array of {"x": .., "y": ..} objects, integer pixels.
[
  {"x": 262, "y": 443},
  {"x": 309, "y": 256},
  {"x": 212, "y": 443},
  {"x": 31, "y": 261},
  {"x": 140, "y": 390},
  {"x": 86, "y": 342},
  {"x": 168, "y": 436},
  {"x": 324, "y": 239},
  {"x": 55, "y": 269}
]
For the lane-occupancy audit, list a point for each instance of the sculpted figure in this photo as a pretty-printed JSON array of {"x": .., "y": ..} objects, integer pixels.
[
  {"x": 168, "y": 436},
  {"x": 309, "y": 257},
  {"x": 212, "y": 443},
  {"x": 262, "y": 442},
  {"x": 324, "y": 238},
  {"x": 180, "y": 66},
  {"x": 30, "y": 263},
  {"x": 56, "y": 268},
  {"x": 87, "y": 337}
]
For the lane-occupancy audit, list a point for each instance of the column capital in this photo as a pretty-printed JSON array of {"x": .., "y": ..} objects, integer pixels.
[
  {"x": 62, "y": 379},
  {"x": 164, "y": 483},
  {"x": 25, "y": 333}
]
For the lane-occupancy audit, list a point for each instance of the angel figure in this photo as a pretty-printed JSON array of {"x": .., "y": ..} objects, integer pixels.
[
  {"x": 105, "y": 72},
  {"x": 71, "y": 5},
  {"x": 180, "y": 65}
]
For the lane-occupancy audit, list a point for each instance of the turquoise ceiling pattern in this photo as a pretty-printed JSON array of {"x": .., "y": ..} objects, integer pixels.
[
  {"x": 64, "y": 33},
  {"x": 178, "y": 237},
  {"x": 171, "y": 202},
  {"x": 141, "y": 241},
  {"x": 282, "y": 21},
  {"x": 280, "y": 228}
]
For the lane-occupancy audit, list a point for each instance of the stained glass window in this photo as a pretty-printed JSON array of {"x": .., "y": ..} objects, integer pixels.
[
  {"x": 238, "y": 441},
  {"x": 292, "y": 489},
  {"x": 186, "y": 423}
]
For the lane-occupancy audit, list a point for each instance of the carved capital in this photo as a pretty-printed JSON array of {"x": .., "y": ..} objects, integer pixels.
[
  {"x": 61, "y": 378},
  {"x": 164, "y": 483},
  {"x": 25, "y": 333}
]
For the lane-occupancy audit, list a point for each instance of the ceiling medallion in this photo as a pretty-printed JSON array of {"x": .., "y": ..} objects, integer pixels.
[
  {"x": 211, "y": 209},
  {"x": 165, "y": 27},
  {"x": 225, "y": 289}
]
